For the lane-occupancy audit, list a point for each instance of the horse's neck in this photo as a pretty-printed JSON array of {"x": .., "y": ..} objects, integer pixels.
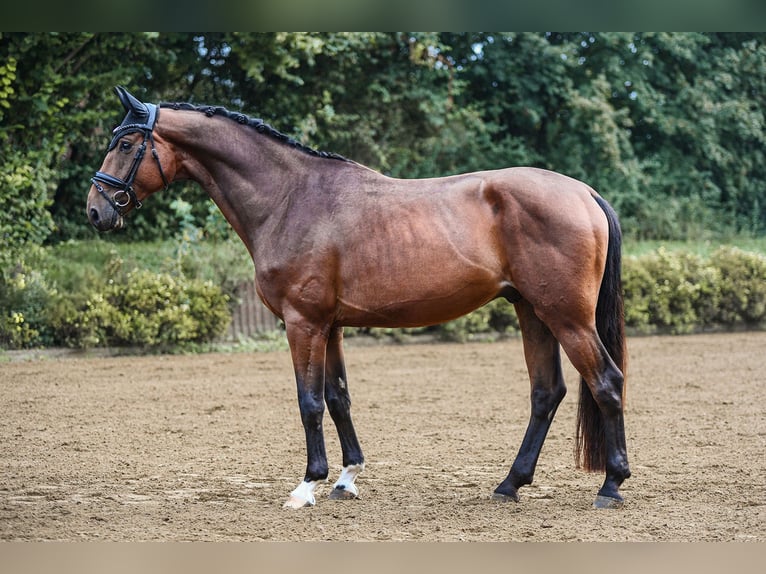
[{"x": 252, "y": 179}]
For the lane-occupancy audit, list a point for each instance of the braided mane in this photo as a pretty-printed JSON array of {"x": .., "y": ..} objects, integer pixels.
[{"x": 257, "y": 124}]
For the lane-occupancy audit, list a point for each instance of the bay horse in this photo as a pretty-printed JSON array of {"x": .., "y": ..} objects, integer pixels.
[{"x": 338, "y": 244}]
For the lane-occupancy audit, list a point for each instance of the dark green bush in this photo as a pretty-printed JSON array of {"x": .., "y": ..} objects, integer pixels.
[
  {"x": 24, "y": 295},
  {"x": 741, "y": 286},
  {"x": 142, "y": 309},
  {"x": 639, "y": 289},
  {"x": 674, "y": 292}
]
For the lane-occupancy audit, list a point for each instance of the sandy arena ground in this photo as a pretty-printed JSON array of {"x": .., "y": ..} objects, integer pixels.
[{"x": 207, "y": 447}]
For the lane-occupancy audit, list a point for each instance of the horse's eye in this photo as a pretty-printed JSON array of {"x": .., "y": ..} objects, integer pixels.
[{"x": 125, "y": 146}]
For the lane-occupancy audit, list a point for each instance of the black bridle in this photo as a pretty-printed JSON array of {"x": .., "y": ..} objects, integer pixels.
[{"x": 124, "y": 195}]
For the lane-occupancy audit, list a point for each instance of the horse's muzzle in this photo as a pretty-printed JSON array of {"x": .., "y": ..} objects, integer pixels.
[{"x": 105, "y": 219}]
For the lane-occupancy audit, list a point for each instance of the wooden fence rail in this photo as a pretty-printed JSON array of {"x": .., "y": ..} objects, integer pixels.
[{"x": 251, "y": 316}]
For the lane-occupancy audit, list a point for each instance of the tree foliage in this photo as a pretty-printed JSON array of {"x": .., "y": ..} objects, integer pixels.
[{"x": 668, "y": 126}]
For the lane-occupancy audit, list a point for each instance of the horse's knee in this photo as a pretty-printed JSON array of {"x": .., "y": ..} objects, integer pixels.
[
  {"x": 312, "y": 410},
  {"x": 337, "y": 398}
]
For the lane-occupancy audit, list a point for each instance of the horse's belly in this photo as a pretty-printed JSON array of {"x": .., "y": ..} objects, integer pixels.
[{"x": 405, "y": 306}]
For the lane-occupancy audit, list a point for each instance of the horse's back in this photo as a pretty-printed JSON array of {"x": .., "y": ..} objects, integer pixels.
[
  {"x": 431, "y": 250},
  {"x": 391, "y": 252}
]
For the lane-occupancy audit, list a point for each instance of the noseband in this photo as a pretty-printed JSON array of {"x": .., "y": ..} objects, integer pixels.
[{"x": 124, "y": 194}]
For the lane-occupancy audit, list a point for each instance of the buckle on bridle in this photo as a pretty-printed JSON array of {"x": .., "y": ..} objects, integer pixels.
[
  {"x": 122, "y": 198},
  {"x": 123, "y": 195}
]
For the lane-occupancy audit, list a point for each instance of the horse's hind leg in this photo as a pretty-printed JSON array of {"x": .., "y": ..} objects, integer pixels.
[
  {"x": 541, "y": 351},
  {"x": 600, "y": 420},
  {"x": 339, "y": 404}
]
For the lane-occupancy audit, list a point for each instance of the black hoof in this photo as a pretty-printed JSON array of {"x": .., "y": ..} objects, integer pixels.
[
  {"x": 342, "y": 494},
  {"x": 504, "y": 497},
  {"x": 608, "y": 502},
  {"x": 505, "y": 493}
]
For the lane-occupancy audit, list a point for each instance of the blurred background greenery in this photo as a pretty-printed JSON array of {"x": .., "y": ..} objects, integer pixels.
[{"x": 668, "y": 126}]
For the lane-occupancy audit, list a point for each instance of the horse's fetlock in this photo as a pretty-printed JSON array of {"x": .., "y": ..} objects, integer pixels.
[{"x": 317, "y": 473}]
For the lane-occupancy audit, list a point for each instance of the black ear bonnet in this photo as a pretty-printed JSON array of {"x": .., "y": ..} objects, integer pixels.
[{"x": 139, "y": 117}]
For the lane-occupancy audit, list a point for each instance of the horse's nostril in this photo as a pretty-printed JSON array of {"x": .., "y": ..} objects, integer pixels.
[{"x": 94, "y": 215}]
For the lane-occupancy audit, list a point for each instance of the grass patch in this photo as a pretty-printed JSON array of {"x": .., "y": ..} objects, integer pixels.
[
  {"x": 72, "y": 264},
  {"x": 261, "y": 343}
]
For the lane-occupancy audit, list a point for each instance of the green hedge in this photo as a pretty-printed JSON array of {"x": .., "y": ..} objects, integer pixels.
[
  {"x": 670, "y": 292},
  {"x": 134, "y": 308},
  {"x": 665, "y": 292},
  {"x": 146, "y": 309}
]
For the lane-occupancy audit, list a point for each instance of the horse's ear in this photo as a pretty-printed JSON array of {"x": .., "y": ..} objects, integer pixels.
[{"x": 131, "y": 103}]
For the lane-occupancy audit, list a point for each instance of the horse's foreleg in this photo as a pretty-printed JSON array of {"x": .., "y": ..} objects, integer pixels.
[
  {"x": 541, "y": 351},
  {"x": 339, "y": 405},
  {"x": 308, "y": 345}
]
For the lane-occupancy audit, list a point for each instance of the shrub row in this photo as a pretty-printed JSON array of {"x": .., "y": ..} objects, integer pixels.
[
  {"x": 678, "y": 292},
  {"x": 133, "y": 308},
  {"x": 665, "y": 292}
]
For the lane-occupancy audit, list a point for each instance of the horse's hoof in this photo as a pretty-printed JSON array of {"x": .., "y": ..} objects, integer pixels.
[
  {"x": 608, "y": 502},
  {"x": 342, "y": 494},
  {"x": 500, "y": 497},
  {"x": 296, "y": 502}
]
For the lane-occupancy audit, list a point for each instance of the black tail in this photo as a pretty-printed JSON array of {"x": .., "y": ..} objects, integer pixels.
[{"x": 590, "y": 448}]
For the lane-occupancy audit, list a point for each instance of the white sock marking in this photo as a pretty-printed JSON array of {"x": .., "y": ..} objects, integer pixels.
[
  {"x": 305, "y": 491},
  {"x": 347, "y": 478}
]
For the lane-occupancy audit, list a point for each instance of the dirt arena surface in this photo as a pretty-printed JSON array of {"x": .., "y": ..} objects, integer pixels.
[{"x": 208, "y": 447}]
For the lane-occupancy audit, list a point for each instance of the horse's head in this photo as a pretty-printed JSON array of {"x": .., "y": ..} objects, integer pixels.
[{"x": 111, "y": 197}]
